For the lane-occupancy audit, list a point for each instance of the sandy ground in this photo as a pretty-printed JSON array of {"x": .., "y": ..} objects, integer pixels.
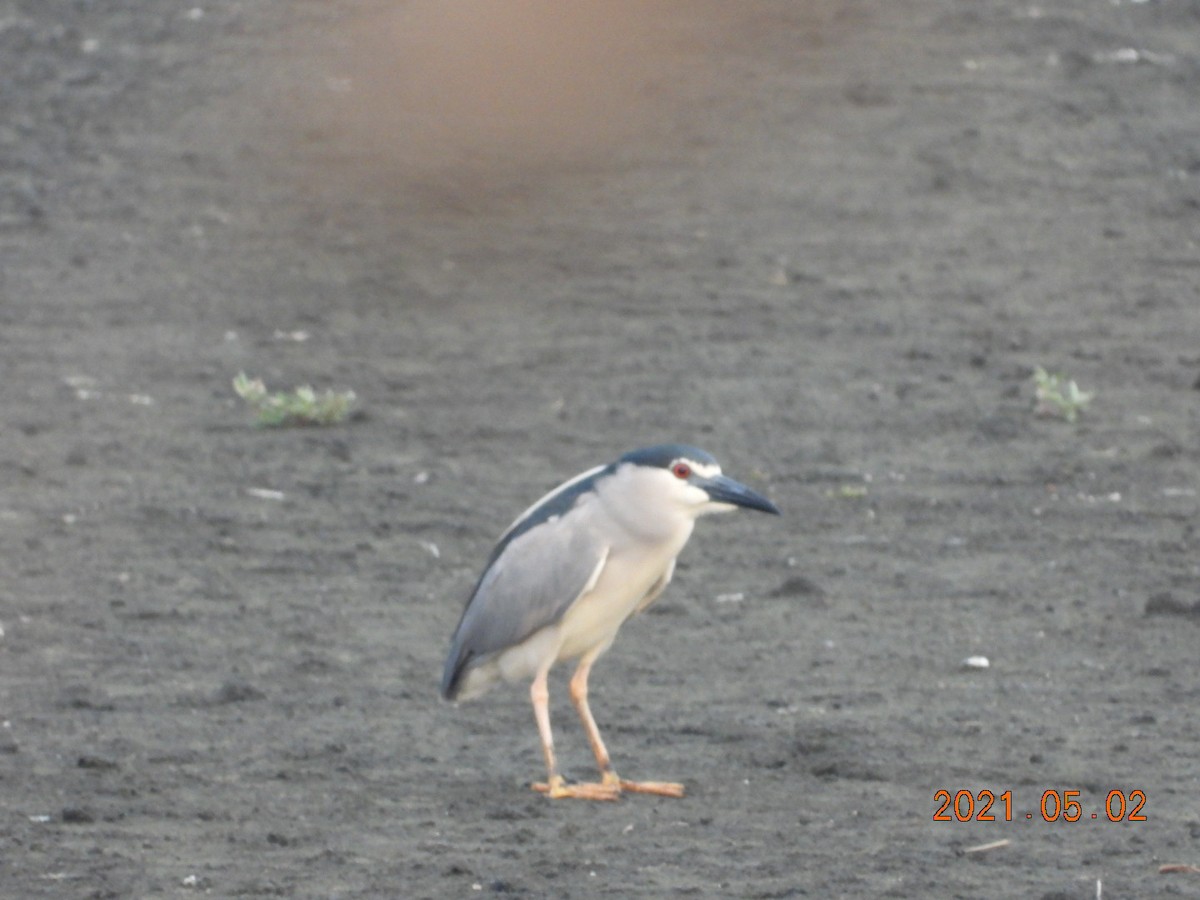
[{"x": 829, "y": 242}]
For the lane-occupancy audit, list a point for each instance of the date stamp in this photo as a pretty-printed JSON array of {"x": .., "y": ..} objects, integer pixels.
[{"x": 1055, "y": 806}]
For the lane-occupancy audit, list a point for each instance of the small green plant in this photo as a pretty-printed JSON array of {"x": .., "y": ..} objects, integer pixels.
[
  {"x": 303, "y": 406},
  {"x": 847, "y": 492},
  {"x": 1057, "y": 397}
]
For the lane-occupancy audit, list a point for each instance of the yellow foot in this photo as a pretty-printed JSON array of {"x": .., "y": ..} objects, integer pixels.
[
  {"x": 661, "y": 788},
  {"x": 610, "y": 787},
  {"x": 557, "y": 789}
]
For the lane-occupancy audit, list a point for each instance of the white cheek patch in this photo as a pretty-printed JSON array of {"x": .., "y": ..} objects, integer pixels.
[
  {"x": 695, "y": 496},
  {"x": 704, "y": 470}
]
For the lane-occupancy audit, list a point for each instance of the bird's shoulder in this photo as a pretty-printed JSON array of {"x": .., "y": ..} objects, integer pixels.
[{"x": 550, "y": 509}]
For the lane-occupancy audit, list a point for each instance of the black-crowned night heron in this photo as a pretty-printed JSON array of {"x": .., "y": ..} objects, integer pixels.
[{"x": 567, "y": 574}]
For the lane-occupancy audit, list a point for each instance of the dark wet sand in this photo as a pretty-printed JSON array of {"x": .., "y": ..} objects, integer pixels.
[{"x": 829, "y": 242}]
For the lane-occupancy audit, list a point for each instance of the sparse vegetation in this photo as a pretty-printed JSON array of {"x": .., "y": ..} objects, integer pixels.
[
  {"x": 303, "y": 406},
  {"x": 848, "y": 492},
  {"x": 1056, "y": 396}
]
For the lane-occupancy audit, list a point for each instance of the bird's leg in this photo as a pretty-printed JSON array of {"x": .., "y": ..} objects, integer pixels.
[
  {"x": 579, "y": 696},
  {"x": 555, "y": 786},
  {"x": 539, "y": 693}
]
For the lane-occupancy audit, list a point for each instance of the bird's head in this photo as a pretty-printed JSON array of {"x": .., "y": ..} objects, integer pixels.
[{"x": 689, "y": 479}]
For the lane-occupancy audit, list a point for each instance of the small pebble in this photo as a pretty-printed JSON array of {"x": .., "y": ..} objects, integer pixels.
[{"x": 265, "y": 493}]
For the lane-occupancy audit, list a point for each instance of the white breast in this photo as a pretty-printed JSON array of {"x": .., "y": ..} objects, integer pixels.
[{"x": 627, "y": 577}]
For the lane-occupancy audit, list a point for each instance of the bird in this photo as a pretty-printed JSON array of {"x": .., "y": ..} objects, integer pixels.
[{"x": 566, "y": 575}]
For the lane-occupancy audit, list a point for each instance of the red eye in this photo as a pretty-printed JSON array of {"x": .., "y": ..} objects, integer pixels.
[{"x": 681, "y": 470}]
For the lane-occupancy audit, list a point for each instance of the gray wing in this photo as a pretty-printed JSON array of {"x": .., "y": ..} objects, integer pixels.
[{"x": 529, "y": 585}]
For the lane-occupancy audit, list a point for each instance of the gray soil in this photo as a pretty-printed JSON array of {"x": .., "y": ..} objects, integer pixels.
[{"x": 828, "y": 242}]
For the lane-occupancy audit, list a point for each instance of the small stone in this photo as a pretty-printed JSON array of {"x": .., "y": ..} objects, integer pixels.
[
  {"x": 798, "y": 585},
  {"x": 238, "y": 692},
  {"x": 1167, "y": 604},
  {"x": 97, "y": 763},
  {"x": 76, "y": 815}
]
